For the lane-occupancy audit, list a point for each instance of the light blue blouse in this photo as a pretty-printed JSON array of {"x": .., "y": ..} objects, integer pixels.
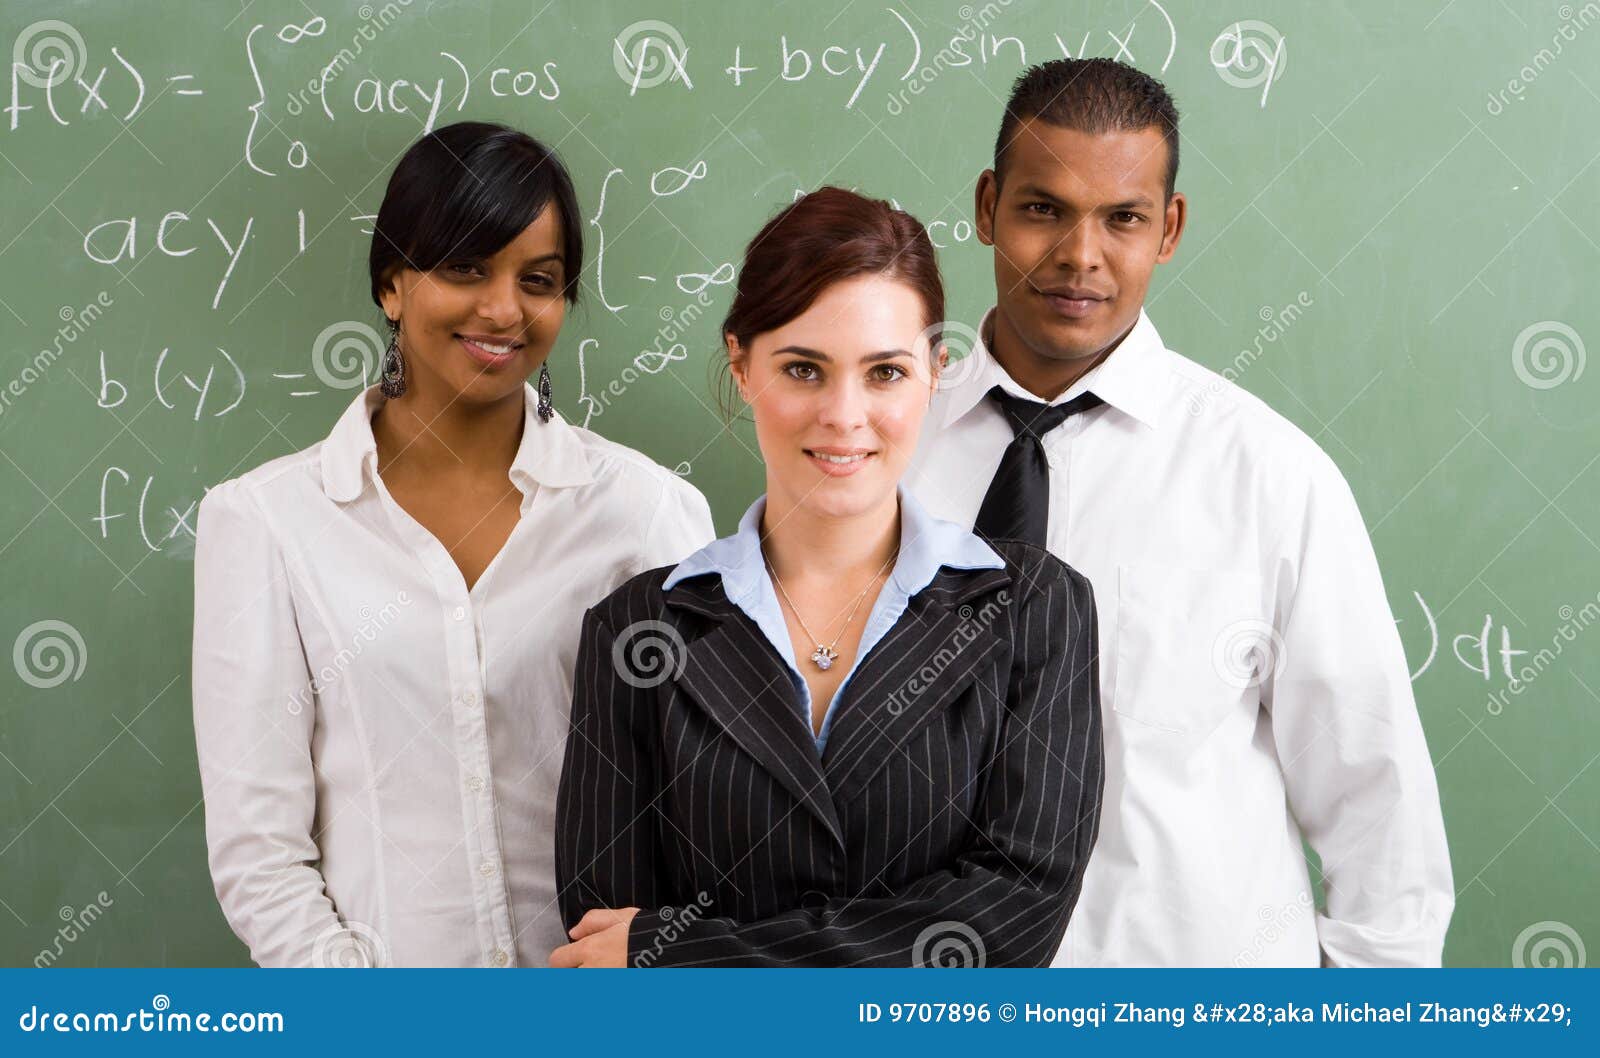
[{"x": 926, "y": 544}]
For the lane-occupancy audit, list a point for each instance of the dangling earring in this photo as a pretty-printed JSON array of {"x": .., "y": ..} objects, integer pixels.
[
  {"x": 393, "y": 377},
  {"x": 546, "y": 409}
]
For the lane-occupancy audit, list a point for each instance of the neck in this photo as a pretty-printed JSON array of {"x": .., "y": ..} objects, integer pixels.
[
  {"x": 1043, "y": 376},
  {"x": 419, "y": 433},
  {"x": 804, "y": 546}
]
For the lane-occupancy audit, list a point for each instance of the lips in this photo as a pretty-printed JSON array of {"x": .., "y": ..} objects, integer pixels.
[
  {"x": 488, "y": 350},
  {"x": 1073, "y": 303},
  {"x": 839, "y": 462}
]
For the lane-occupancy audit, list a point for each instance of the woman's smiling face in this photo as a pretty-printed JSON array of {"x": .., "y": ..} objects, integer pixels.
[
  {"x": 475, "y": 329},
  {"x": 839, "y": 393}
]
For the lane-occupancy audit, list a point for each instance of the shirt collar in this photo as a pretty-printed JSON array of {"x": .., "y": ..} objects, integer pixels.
[
  {"x": 550, "y": 453},
  {"x": 1130, "y": 379},
  {"x": 926, "y": 544}
]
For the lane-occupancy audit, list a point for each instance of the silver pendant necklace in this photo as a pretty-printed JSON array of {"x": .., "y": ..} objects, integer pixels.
[{"x": 823, "y": 657}]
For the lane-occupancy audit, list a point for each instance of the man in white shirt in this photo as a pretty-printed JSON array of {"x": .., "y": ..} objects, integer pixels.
[{"x": 1256, "y": 696}]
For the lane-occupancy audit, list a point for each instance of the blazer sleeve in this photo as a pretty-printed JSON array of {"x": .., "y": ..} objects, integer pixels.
[
  {"x": 607, "y": 853},
  {"x": 1007, "y": 898}
]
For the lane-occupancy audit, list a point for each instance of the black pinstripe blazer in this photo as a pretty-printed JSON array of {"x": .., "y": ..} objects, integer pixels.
[{"x": 949, "y": 820}]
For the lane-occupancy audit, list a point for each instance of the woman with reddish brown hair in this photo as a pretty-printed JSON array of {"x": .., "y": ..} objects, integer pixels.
[{"x": 850, "y": 733}]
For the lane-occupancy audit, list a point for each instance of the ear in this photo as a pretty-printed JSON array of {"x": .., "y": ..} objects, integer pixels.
[
  {"x": 1177, "y": 214},
  {"x": 984, "y": 197},
  {"x": 389, "y": 296},
  {"x": 738, "y": 365}
]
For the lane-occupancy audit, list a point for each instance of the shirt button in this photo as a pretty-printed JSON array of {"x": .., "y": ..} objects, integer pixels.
[
  {"x": 461, "y": 613},
  {"x": 475, "y": 784},
  {"x": 470, "y": 698},
  {"x": 486, "y": 869},
  {"x": 498, "y": 958}
]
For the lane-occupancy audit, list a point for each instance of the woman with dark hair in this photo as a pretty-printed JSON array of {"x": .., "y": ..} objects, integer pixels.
[
  {"x": 849, "y": 734},
  {"x": 386, "y": 623}
]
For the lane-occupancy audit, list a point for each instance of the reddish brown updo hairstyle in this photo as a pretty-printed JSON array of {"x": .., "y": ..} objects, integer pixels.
[{"x": 820, "y": 239}]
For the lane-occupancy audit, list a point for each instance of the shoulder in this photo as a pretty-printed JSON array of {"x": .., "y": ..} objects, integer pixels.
[
  {"x": 1038, "y": 576},
  {"x": 632, "y": 478},
  {"x": 277, "y": 484},
  {"x": 634, "y": 602},
  {"x": 1212, "y": 409}
]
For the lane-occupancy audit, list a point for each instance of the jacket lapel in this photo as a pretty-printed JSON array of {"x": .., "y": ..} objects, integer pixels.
[
  {"x": 742, "y": 684},
  {"x": 921, "y": 665}
]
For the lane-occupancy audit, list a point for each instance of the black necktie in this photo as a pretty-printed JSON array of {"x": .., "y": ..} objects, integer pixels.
[{"x": 1017, "y": 505}]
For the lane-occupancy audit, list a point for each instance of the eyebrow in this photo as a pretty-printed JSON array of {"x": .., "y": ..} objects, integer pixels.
[
  {"x": 817, "y": 354},
  {"x": 1035, "y": 191}
]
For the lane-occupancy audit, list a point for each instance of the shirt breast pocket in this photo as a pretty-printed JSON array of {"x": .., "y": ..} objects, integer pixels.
[{"x": 1192, "y": 645}]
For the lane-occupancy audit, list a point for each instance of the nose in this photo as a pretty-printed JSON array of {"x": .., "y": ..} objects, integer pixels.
[
  {"x": 844, "y": 406},
  {"x": 498, "y": 304},
  {"x": 1079, "y": 248}
]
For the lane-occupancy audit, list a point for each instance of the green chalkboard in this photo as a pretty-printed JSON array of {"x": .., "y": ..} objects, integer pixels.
[{"x": 1393, "y": 241}]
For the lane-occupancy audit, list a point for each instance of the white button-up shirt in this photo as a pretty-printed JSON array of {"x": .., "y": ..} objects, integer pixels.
[
  {"x": 380, "y": 747},
  {"x": 1253, "y": 682}
]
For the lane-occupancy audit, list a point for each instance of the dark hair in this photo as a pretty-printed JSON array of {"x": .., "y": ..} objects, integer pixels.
[
  {"x": 465, "y": 191},
  {"x": 820, "y": 239},
  {"x": 1094, "y": 96}
]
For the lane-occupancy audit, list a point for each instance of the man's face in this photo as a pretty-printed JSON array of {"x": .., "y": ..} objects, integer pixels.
[{"x": 1078, "y": 225}]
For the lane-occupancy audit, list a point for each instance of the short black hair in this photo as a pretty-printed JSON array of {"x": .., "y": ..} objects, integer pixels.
[
  {"x": 465, "y": 191},
  {"x": 1094, "y": 96}
]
